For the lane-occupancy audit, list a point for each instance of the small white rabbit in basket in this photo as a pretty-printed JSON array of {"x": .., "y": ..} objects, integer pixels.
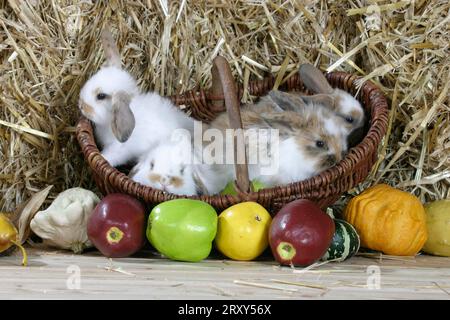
[
  {"x": 168, "y": 167},
  {"x": 342, "y": 103},
  {"x": 339, "y": 101},
  {"x": 127, "y": 123},
  {"x": 311, "y": 139}
]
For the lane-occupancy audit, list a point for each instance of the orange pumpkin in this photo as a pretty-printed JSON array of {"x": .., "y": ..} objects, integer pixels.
[{"x": 388, "y": 220}]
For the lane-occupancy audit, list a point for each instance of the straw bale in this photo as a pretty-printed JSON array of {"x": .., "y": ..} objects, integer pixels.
[{"x": 49, "y": 48}]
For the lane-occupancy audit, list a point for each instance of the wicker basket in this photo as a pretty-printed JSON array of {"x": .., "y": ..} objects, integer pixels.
[{"x": 324, "y": 189}]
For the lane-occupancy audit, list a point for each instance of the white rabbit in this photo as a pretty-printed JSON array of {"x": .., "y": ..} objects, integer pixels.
[
  {"x": 339, "y": 101},
  {"x": 214, "y": 177},
  {"x": 127, "y": 123},
  {"x": 170, "y": 167}
]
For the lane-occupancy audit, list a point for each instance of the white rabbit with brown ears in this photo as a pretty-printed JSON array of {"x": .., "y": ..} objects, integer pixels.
[
  {"x": 342, "y": 103},
  {"x": 170, "y": 167},
  {"x": 311, "y": 137},
  {"x": 127, "y": 122}
]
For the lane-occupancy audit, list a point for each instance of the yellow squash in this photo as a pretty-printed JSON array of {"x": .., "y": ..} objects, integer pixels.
[
  {"x": 388, "y": 220},
  {"x": 243, "y": 231},
  {"x": 9, "y": 236},
  {"x": 438, "y": 224}
]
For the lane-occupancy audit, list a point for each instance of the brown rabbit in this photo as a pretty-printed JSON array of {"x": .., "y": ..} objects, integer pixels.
[{"x": 311, "y": 138}]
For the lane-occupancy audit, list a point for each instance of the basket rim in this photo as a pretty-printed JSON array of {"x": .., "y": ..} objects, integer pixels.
[{"x": 375, "y": 133}]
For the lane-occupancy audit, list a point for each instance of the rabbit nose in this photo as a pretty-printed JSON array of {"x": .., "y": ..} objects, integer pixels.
[
  {"x": 87, "y": 109},
  {"x": 165, "y": 180},
  {"x": 331, "y": 159}
]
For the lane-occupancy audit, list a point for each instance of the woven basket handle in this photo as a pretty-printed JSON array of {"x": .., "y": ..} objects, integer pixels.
[{"x": 223, "y": 84}]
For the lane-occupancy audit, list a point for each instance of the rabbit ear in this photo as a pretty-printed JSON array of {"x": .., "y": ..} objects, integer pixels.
[
  {"x": 123, "y": 121},
  {"x": 286, "y": 101},
  {"x": 285, "y": 123},
  {"x": 110, "y": 48},
  {"x": 326, "y": 100},
  {"x": 314, "y": 79}
]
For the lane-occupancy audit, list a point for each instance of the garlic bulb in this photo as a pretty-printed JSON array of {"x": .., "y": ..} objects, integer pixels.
[{"x": 64, "y": 224}]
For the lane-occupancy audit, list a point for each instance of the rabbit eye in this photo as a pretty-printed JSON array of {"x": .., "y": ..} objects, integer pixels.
[
  {"x": 349, "y": 119},
  {"x": 320, "y": 144},
  {"x": 101, "y": 96},
  {"x": 182, "y": 170},
  {"x": 152, "y": 165}
]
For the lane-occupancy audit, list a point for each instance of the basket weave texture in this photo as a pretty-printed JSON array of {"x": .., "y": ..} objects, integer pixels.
[{"x": 205, "y": 105}]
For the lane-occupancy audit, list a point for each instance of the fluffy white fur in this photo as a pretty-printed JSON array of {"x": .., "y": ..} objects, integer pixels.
[
  {"x": 290, "y": 161},
  {"x": 214, "y": 176},
  {"x": 306, "y": 123},
  {"x": 349, "y": 105},
  {"x": 156, "y": 117},
  {"x": 107, "y": 80},
  {"x": 166, "y": 162},
  {"x": 292, "y": 166},
  {"x": 345, "y": 104}
]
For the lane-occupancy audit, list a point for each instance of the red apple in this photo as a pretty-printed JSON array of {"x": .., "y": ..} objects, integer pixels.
[
  {"x": 117, "y": 226},
  {"x": 300, "y": 233}
]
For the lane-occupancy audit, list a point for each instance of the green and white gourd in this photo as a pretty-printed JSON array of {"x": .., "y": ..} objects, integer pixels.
[{"x": 345, "y": 242}]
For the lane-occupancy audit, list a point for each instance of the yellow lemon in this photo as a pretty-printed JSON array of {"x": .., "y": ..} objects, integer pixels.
[
  {"x": 438, "y": 224},
  {"x": 243, "y": 230}
]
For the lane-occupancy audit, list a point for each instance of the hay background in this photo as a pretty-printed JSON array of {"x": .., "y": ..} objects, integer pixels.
[{"x": 49, "y": 48}]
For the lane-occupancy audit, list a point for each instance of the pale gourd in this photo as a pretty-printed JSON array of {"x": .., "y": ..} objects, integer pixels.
[
  {"x": 438, "y": 224},
  {"x": 64, "y": 224},
  {"x": 388, "y": 220}
]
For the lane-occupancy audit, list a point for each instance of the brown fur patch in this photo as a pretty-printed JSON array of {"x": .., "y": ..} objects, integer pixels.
[
  {"x": 358, "y": 119},
  {"x": 337, "y": 101},
  {"x": 173, "y": 181},
  {"x": 176, "y": 182},
  {"x": 287, "y": 101},
  {"x": 87, "y": 109},
  {"x": 326, "y": 156},
  {"x": 110, "y": 48},
  {"x": 327, "y": 100},
  {"x": 153, "y": 177},
  {"x": 357, "y": 115},
  {"x": 250, "y": 119},
  {"x": 306, "y": 127},
  {"x": 336, "y": 148},
  {"x": 263, "y": 105}
]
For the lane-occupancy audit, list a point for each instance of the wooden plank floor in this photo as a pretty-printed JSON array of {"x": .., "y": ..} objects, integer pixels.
[{"x": 53, "y": 275}]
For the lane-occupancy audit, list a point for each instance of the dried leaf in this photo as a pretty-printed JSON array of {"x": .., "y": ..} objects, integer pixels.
[{"x": 25, "y": 213}]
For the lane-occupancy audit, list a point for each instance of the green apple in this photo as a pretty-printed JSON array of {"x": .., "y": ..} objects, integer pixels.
[{"x": 183, "y": 229}]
